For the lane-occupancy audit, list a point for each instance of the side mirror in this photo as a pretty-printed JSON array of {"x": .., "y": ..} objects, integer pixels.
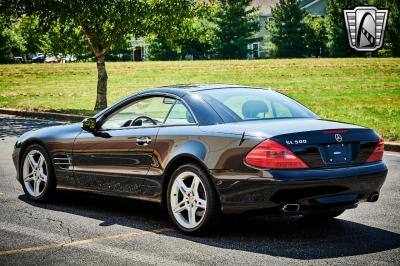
[{"x": 89, "y": 124}]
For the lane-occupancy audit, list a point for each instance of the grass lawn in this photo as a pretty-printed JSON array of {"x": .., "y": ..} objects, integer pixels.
[{"x": 361, "y": 91}]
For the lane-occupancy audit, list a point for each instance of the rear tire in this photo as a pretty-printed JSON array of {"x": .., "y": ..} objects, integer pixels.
[
  {"x": 324, "y": 215},
  {"x": 192, "y": 201},
  {"x": 37, "y": 174}
]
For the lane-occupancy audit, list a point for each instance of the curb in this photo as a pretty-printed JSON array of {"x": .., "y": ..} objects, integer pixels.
[
  {"x": 392, "y": 146},
  {"x": 389, "y": 146},
  {"x": 43, "y": 115}
]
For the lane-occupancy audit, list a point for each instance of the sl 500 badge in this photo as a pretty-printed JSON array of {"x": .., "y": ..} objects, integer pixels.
[{"x": 296, "y": 141}]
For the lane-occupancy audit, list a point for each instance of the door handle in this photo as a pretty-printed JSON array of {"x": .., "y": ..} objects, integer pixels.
[{"x": 143, "y": 141}]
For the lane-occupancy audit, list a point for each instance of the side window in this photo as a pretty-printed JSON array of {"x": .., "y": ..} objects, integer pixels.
[
  {"x": 146, "y": 112},
  {"x": 179, "y": 115}
]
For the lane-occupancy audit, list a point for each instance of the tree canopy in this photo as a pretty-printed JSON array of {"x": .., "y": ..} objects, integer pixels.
[
  {"x": 315, "y": 37},
  {"x": 338, "y": 44},
  {"x": 177, "y": 29},
  {"x": 237, "y": 24},
  {"x": 288, "y": 29},
  {"x": 105, "y": 23},
  {"x": 11, "y": 42},
  {"x": 194, "y": 39},
  {"x": 392, "y": 38}
]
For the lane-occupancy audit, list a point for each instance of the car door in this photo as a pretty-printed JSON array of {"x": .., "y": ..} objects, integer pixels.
[
  {"x": 117, "y": 156},
  {"x": 173, "y": 137}
]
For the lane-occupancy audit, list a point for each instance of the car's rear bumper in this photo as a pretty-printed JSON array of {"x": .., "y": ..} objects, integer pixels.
[{"x": 313, "y": 189}]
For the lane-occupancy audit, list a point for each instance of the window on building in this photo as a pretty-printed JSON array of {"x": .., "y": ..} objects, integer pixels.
[{"x": 256, "y": 50}]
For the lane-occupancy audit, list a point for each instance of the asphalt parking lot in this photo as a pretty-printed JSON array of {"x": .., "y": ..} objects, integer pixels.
[{"x": 80, "y": 228}]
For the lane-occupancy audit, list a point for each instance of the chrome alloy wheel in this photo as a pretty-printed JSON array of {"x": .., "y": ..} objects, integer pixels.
[
  {"x": 34, "y": 173},
  {"x": 188, "y": 200}
]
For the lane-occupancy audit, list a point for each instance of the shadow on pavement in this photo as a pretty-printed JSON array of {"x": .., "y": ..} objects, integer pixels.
[
  {"x": 11, "y": 126},
  {"x": 291, "y": 237}
]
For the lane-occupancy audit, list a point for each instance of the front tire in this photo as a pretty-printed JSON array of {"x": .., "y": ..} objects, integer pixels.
[
  {"x": 37, "y": 175},
  {"x": 192, "y": 202}
]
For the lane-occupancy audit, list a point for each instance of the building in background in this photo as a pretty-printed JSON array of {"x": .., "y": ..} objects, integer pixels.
[
  {"x": 315, "y": 8},
  {"x": 139, "y": 49},
  {"x": 258, "y": 49}
]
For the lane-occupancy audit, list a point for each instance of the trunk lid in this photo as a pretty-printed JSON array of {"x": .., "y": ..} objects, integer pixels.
[
  {"x": 331, "y": 148},
  {"x": 319, "y": 143},
  {"x": 275, "y": 127}
]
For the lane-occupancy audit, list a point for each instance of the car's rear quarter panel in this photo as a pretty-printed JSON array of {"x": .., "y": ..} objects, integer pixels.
[{"x": 217, "y": 152}]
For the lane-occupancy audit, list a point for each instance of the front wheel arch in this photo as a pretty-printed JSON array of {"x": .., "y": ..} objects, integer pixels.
[{"x": 26, "y": 144}]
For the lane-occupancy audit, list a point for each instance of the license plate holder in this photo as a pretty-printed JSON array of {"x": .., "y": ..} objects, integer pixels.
[{"x": 336, "y": 154}]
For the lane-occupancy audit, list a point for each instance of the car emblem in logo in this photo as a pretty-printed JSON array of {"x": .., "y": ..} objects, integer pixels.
[
  {"x": 365, "y": 27},
  {"x": 338, "y": 137}
]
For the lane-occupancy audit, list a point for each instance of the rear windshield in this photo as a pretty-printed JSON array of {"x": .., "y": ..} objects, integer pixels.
[{"x": 242, "y": 104}]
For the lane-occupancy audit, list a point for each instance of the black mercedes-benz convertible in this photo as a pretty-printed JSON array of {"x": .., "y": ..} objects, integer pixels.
[{"x": 205, "y": 149}]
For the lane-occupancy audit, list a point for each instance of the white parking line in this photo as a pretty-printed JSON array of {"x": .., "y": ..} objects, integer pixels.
[
  {"x": 63, "y": 241},
  {"x": 81, "y": 242}
]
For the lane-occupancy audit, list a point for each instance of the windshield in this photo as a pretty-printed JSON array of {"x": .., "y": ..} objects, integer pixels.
[{"x": 243, "y": 104}]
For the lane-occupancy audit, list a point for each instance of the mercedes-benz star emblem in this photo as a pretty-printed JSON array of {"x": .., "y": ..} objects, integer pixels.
[{"x": 338, "y": 137}]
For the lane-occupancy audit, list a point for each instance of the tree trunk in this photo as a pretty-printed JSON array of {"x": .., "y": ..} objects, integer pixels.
[{"x": 101, "y": 100}]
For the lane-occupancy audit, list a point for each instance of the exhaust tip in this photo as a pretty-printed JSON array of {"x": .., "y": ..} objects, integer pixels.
[
  {"x": 373, "y": 197},
  {"x": 291, "y": 207}
]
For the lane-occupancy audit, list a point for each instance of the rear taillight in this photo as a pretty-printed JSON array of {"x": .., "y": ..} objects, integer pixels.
[
  {"x": 377, "y": 154},
  {"x": 272, "y": 155}
]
